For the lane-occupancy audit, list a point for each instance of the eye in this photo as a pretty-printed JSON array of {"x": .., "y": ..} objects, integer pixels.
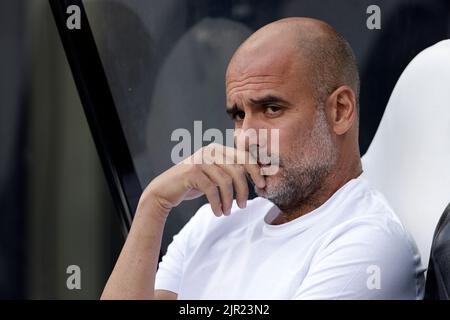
[
  {"x": 238, "y": 115},
  {"x": 272, "y": 110}
]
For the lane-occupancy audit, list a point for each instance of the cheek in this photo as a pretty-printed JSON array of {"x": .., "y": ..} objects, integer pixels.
[
  {"x": 293, "y": 130},
  {"x": 290, "y": 141}
]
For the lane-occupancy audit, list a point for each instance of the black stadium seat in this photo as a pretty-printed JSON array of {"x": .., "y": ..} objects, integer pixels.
[{"x": 438, "y": 277}]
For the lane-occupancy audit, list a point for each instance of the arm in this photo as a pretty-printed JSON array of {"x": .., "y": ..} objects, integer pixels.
[{"x": 134, "y": 274}]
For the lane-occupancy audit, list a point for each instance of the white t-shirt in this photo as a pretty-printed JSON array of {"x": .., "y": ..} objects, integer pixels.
[{"x": 351, "y": 247}]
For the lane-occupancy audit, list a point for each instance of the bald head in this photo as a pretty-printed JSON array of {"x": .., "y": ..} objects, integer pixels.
[{"x": 314, "y": 44}]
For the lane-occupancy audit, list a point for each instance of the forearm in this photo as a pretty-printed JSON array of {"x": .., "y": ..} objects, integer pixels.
[{"x": 133, "y": 276}]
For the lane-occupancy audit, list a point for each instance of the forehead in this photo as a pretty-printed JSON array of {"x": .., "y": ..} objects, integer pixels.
[
  {"x": 264, "y": 70},
  {"x": 262, "y": 58}
]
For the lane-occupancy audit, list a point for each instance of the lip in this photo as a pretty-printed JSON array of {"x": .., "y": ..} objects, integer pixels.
[{"x": 264, "y": 165}]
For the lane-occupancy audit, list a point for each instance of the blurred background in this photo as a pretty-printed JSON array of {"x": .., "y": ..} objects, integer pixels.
[{"x": 55, "y": 207}]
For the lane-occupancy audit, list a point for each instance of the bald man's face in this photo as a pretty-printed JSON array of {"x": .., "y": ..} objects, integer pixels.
[{"x": 270, "y": 89}]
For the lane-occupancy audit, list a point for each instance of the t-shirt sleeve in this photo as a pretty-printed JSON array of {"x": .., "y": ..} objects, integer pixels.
[
  {"x": 170, "y": 269},
  {"x": 365, "y": 262}
]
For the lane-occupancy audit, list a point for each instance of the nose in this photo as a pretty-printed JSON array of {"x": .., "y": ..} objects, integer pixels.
[{"x": 251, "y": 134}]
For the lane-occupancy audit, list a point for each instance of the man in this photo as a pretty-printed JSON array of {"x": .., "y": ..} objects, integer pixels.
[{"x": 317, "y": 229}]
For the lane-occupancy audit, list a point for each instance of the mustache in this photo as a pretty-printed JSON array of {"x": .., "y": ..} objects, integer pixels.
[{"x": 262, "y": 157}]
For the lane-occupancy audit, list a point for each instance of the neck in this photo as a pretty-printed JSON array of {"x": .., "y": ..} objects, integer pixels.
[{"x": 343, "y": 173}]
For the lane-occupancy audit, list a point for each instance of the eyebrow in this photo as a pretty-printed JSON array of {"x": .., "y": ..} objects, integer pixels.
[{"x": 268, "y": 99}]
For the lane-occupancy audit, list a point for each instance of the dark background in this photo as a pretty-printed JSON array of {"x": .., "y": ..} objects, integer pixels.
[{"x": 165, "y": 63}]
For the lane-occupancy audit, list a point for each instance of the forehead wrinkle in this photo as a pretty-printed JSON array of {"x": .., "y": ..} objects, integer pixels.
[
  {"x": 252, "y": 86},
  {"x": 251, "y": 82},
  {"x": 263, "y": 77}
]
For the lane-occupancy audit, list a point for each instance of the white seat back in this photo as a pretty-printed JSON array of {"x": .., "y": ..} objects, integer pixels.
[{"x": 409, "y": 157}]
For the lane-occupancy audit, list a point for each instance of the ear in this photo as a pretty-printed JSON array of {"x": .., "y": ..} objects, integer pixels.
[{"x": 341, "y": 107}]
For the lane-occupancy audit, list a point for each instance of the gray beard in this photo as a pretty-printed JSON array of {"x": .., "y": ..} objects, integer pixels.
[{"x": 302, "y": 174}]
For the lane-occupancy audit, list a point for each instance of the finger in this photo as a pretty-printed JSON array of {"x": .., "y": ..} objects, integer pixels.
[
  {"x": 255, "y": 174},
  {"x": 209, "y": 188},
  {"x": 223, "y": 157},
  {"x": 225, "y": 183},
  {"x": 238, "y": 175},
  {"x": 250, "y": 164}
]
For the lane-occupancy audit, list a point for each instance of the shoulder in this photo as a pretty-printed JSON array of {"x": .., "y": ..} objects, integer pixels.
[
  {"x": 372, "y": 239},
  {"x": 372, "y": 251},
  {"x": 369, "y": 219},
  {"x": 369, "y": 224}
]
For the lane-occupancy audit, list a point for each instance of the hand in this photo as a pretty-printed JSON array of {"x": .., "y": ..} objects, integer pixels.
[{"x": 215, "y": 171}]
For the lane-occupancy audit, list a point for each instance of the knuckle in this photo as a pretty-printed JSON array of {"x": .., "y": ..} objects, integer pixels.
[
  {"x": 243, "y": 190},
  {"x": 213, "y": 146},
  {"x": 240, "y": 169},
  {"x": 194, "y": 170},
  {"x": 227, "y": 179},
  {"x": 211, "y": 189}
]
